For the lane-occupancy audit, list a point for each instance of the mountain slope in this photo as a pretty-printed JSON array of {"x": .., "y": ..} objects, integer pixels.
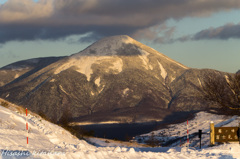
[
  {"x": 187, "y": 90},
  {"x": 26, "y": 67},
  {"x": 116, "y": 78},
  {"x": 116, "y": 74}
]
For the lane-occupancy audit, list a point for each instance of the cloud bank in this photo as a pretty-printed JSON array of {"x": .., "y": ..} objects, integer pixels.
[
  {"x": 223, "y": 33},
  {"x": 56, "y": 19}
]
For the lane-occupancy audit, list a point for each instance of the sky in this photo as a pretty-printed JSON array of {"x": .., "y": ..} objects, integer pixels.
[{"x": 196, "y": 33}]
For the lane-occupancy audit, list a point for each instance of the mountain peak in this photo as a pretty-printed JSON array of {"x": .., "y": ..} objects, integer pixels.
[
  {"x": 123, "y": 38},
  {"x": 113, "y": 45},
  {"x": 114, "y": 50},
  {"x": 117, "y": 39}
]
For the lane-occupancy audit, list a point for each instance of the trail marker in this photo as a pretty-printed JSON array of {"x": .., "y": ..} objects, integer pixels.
[{"x": 27, "y": 125}]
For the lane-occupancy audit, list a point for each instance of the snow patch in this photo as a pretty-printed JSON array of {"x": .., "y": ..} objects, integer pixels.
[
  {"x": 199, "y": 81},
  {"x": 16, "y": 76},
  {"x": 227, "y": 79},
  {"x": 156, "y": 76},
  {"x": 60, "y": 86},
  {"x": 117, "y": 65},
  {"x": 151, "y": 67},
  {"x": 125, "y": 91},
  {"x": 102, "y": 89},
  {"x": 144, "y": 58},
  {"x": 97, "y": 81},
  {"x": 163, "y": 71},
  {"x": 172, "y": 79},
  {"x": 84, "y": 64}
]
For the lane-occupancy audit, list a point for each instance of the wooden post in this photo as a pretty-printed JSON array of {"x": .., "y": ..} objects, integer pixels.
[
  {"x": 212, "y": 134},
  {"x": 239, "y": 132}
]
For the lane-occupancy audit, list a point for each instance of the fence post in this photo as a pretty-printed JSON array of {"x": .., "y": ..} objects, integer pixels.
[{"x": 212, "y": 134}]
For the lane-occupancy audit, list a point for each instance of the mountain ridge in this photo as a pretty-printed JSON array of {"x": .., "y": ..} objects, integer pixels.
[{"x": 116, "y": 78}]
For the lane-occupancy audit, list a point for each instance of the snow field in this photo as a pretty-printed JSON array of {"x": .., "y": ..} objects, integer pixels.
[{"x": 50, "y": 141}]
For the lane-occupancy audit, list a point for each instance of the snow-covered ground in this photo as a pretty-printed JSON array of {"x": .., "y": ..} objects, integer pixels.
[
  {"x": 176, "y": 134},
  {"x": 47, "y": 140}
]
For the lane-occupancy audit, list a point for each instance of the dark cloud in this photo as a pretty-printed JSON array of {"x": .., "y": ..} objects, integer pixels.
[
  {"x": 224, "y": 33},
  {"x": 55, "y": 19},
  {"x": 228, "y": 31}
]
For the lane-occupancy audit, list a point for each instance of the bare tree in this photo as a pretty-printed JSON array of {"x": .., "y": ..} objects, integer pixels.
[
  {"x": 223, "y": 90},
  {"x": 234, "y": 86},
  {"x": 66, "y": 112}
]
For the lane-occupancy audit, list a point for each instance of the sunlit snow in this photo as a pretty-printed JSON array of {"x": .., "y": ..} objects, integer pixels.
[{"x": 48, "y": 141}]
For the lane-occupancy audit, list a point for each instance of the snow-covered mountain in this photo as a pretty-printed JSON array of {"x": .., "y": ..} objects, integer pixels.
[
  {"x": 115, "y": 79},
  {"x": 48, "y": 141}
]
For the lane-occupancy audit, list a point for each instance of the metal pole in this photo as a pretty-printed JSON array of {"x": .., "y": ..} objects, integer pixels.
[
  {"x": 200, "y": 137},
  {"x": 200, "y": 143},
  {"x": 187, "y": 135}
]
